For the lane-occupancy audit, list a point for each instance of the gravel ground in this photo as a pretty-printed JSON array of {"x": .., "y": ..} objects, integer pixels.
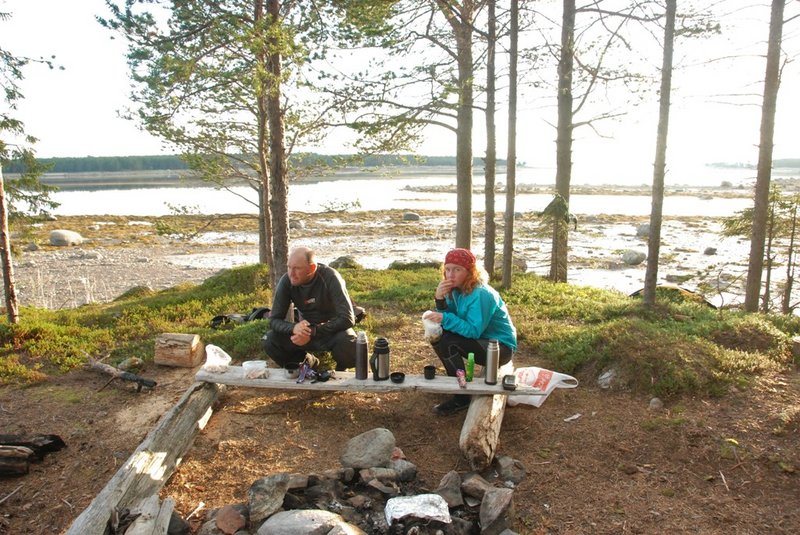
[{"x": 71, "y": 277}]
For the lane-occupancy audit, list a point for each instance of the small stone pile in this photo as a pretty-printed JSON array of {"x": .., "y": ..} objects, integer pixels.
[{"x": 374, "y": 492}]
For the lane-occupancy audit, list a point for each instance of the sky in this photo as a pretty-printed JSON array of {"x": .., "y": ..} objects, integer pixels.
[{"x": 75, "y": 111}]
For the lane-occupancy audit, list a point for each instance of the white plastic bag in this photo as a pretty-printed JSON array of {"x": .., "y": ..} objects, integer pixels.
[
  {"x": 545, "y": 381},
  {"x": 433, "y": 329},
  {"x": 217, "y": 360}
]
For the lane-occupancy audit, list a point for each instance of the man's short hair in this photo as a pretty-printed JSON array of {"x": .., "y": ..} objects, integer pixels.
[{"x": 308, "y": 253}]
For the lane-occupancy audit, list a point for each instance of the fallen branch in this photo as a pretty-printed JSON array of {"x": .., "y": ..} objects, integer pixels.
[
  {"x": 116, "y": 373},
  {"x": 10, "y": 494}
]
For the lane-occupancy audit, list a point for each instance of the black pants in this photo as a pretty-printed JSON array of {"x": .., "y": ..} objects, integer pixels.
[
  {"x": 342, "y": 345},
  {"x": 452, "y": 350}
]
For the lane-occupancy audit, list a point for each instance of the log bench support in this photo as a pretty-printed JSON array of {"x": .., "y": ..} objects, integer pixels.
[{"x": 480, "y": 433}]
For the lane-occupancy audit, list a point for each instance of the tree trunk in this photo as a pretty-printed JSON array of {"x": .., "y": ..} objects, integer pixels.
[
  {"x": 280, "y": 180},
  {"x": 766, "y": 141},
  {"x": 9, "y": 287},
  {"x": 491, "y": 145},
  {"x": 511, "y": 158},
  {"x": 460, "y": 19},
  {"x": 265, "y": 214},
  {"x": 765, "y": 302},
  {"x": 659, "y": 167},
  {"x": 786, "y": 303},
  {"x": 558, "y": 255}
]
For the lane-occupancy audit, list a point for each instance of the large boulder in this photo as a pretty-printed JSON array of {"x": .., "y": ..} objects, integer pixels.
[
  {"x": 633, "y": 258},
  {"x": 64, "y": 238}
]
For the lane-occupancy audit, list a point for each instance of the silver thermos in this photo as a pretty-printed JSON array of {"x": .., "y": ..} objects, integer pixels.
[
  {"x": 362, "y": 360},
  {"x": 380, "y": 359},
  {"x": 492, "y": 362}
]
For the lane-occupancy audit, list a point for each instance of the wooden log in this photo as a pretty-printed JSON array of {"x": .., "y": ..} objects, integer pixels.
[
  {"x": 153, "y": 462},
  {"x": 182, "y": 350},
  {"x": 116, "y": 373},
  {"x": 481, "y": 430},
  {"x": 15, "y": 460},
  {"x": 153, "y": 517},
  {"x": 40, "y": 444}
]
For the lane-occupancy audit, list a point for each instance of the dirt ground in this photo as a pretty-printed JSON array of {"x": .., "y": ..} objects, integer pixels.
[{"x": 697, "y": 466}]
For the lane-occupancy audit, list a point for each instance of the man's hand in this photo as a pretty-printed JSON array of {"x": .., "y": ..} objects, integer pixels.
[
  {"x": 301, "y": 333},
  {"x": 300, "y": 339}
]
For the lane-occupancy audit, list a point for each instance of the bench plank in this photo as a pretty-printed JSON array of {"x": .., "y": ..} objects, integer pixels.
[{"x": 441, "y": 384}]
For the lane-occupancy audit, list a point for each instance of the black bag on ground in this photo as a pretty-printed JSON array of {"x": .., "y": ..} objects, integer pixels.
[{"x": 225, "y": 320}]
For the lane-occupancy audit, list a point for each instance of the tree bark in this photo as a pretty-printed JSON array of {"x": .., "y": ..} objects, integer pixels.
[
  {"x": 12, "y": 304},
  {"x": 766, "y": 142},
  {"x": 786, "y": 302},
  {"x": 279, "y": 207},
  {"x": 558, "y": 256},
  {"x": 659, "y": 167},
  {"x": 490, "y": 235},
  {"x": 265, "y": 255},
  {"x": 511, "y": 158},
  {"x": 460, "y": 19}
]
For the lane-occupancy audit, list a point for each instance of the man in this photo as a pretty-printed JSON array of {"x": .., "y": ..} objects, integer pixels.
[{"x": 326, "y": 316}]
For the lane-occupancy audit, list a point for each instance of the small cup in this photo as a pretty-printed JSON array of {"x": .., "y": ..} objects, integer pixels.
[
  {"x": 429, "y": 371},
  {"x": 397, "y": 377},
  {"x": 292, "y": 370}
]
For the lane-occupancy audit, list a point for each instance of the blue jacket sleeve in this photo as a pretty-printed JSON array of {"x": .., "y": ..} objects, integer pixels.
[{"x": 472, "y": 315}]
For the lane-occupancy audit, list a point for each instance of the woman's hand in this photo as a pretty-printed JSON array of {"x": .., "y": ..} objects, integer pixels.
[
  {"x": 433, "y": 316},
  {"x": 444, "y": 288}
]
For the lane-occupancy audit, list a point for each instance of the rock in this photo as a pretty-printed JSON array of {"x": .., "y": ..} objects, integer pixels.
[
  {"x": 178, "y": 526},
  {"x": 302, "y": 522},
  {"x": 229, "y": 520},
  {"x": 607, "y": 378},
  {"x": 369, "y": 449},
  {"x": 643, "y": 230},
  {"x": 406, "y": 471},
  {"x": 497, "y": 511},
  {"x": 31, "y": 247},
  {"x": 347, "y": 262},
  {"x": 709, "y": 251},
  {"x": 210, "y": 528},
  {"x": 474, "y": 485},
  {"x": 633, "y": 258},
  {"x": 377, "y": 472},
  {"x": 266, "y": 496},
  {"x": 450, "y": 489},
  {"x": 297, "y": 224},
  {"x": 656, "y": 404},
  {"x": 410, "y": 216},
  {"x": 64, "y": 238},
  {"x": 509, "y": 469}
]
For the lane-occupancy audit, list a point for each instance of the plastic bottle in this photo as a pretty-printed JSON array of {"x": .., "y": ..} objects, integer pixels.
[
  {"x": 492, "y": 362},
  {"x": 362, "y": 364},
  {"x": 470, "y": 366}
]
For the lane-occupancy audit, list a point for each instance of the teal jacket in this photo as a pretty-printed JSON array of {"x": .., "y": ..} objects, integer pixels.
[{"x": 481, "y": 314}]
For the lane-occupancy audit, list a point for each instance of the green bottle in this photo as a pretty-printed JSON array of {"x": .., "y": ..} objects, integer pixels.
[{"x": 470, "y": 366}]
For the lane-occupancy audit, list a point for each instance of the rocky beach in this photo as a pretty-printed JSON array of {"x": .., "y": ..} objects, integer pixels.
[{"x": 116, "y": 254}]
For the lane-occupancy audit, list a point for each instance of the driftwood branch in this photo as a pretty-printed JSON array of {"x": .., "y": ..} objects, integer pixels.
[{"x": 116, "y": 373}]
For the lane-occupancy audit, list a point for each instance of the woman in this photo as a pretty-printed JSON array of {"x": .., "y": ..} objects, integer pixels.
[{"x": 471, "y": 313}]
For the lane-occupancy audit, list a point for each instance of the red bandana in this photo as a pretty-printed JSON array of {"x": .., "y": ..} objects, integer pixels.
[{"x": 460, "y": 257}]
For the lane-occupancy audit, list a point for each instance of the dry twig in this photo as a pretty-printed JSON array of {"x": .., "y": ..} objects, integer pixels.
[{"x": 10, "y": 494}]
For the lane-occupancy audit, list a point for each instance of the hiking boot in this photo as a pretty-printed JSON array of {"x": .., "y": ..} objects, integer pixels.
[{"x": 452, "y": 406}]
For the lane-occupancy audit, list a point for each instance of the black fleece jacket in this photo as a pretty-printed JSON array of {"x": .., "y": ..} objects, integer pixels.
[{"x": 323, "y": 302}]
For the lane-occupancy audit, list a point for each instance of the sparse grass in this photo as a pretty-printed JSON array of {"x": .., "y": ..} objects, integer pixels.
[{"x": 678, "y": 348}]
